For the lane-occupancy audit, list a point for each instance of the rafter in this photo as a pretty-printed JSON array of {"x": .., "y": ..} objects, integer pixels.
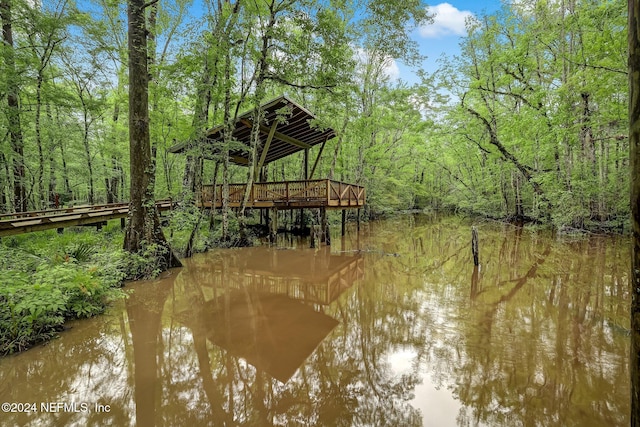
[{"x": 289, "y": 140}]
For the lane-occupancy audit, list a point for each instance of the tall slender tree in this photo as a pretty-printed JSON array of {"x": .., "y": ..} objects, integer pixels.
[
  {"x": 634, "y": 154},
  {"x": 13, "y": 110},
  {"x": 143, "y": 228}
]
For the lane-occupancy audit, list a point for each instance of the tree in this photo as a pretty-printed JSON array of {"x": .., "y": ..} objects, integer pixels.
[
  {"x": 634, "y": 154},
  {"x": 13, "y": 110},
  {"x": 543, "y": 90},
  {"x": 143, "y": 228}
]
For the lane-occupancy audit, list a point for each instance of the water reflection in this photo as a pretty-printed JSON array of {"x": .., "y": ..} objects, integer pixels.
[{"x": 538, "y": 335}]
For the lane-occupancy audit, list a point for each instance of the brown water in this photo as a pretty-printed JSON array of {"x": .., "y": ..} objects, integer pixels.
[{"x": 388, "y": 327}]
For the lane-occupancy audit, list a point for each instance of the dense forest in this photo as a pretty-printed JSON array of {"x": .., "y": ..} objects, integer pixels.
[{"x": 528, "y": 123}]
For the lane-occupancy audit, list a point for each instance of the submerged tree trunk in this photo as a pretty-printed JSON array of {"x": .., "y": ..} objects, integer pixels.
[{"x": 143, "y": 228}]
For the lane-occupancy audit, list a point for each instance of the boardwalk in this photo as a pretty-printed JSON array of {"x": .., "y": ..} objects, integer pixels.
[{"x": 27, "y": 222}]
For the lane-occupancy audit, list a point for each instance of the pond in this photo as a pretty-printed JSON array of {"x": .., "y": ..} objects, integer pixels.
[{"x": 391, "y": 326}]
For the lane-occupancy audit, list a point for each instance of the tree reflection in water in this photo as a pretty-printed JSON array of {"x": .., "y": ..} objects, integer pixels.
[{"x": 538, "y": 335}]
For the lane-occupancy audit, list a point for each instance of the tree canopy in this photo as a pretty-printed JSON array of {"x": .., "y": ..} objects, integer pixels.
[{"x": 527, "y": 123}]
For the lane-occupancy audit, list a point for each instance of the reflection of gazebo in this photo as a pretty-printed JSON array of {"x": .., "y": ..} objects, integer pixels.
[
  {"x": 287, "y": 128},
  {"x": 266, "y": 305},
  {"x": 274, "y": 333},
  {"x": 313, "y": 277}
]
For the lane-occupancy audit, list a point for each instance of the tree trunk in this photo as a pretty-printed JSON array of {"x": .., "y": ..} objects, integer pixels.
[
  {"x": 13, "y": 110},
  {"x": 143, "y": 228},
  {"x": 65, "y": 172},
  {"x": 634, "y": 155},
  {"x": 87, "y": 151},
  {"x": 41, "y": 199},
  {"x": 111, "y": 177},
  {"x": 192, "y": 179},
  {"x": 3, "y": 183},
  {"x": 261, "y": 71}
]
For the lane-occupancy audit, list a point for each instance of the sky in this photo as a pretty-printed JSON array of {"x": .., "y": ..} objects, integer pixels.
[{"x": 444, "y": 35}]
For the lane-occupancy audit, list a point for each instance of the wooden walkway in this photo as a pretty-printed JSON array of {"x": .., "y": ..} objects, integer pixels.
[
  {"x": 27, "y": 222},
  {"x": 317, "y": 193}
]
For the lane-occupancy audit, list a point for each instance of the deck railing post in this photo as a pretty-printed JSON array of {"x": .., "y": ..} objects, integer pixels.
[{"x": 328, "y": 190}]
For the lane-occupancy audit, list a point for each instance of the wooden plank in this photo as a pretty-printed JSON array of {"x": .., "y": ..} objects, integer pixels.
[{"x": 60, "y": 218}]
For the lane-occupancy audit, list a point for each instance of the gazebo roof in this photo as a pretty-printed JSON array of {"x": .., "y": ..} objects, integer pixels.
[{"x": 289, "y": 123}]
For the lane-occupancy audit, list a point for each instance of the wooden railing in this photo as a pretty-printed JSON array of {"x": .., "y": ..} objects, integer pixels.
[
  {"x": 311, "y": 193},
  {"x": 162, "y": 205},
  {"x": 25, "y": 222}
]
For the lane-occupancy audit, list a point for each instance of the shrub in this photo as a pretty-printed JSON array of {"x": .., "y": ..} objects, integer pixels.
[
  {"x": 35, "y": 304},
  {"x": 28, "y": 313}
]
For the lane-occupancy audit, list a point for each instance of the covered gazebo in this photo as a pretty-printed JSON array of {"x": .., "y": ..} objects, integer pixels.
[{"x": 286, "y": 128}]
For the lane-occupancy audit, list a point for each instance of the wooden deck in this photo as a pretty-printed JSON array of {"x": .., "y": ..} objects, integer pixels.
[
  {"x": 26, "y": 222},
  {"x": 318, "y": 193}
]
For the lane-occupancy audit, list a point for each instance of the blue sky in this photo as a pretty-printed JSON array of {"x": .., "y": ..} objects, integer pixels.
[{"x": 444, "y": 35}]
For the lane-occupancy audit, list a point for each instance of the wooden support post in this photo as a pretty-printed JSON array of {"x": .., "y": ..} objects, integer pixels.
[
  {"x": 315, "y": 229},
  {"x": 272, "y": 219},
  {"x": 265, "y": 149},
  {"x": 358, "y": 219},
  {"x": 315, "y": 164},
  {"x": 324, "y": 224},
  {"x": 60, "y": 230},
  {"x": 303, "y": 223},
  {"x": 474, "y": 245},
  {"x": 344, "y": 220},
  {"x": 98, "y": 226},
  {"x": 122, "y": 223},
  {"x": 312, "y": 238},
  {"x": 306, "y": 164}
]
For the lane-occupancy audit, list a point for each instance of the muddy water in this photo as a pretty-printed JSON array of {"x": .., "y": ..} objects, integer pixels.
[{"x": 391, "y": 326}]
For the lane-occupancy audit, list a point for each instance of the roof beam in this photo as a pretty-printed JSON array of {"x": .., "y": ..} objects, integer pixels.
[
  {"x": 239, "y": 160},
  {"x": 282, "y": 137}
]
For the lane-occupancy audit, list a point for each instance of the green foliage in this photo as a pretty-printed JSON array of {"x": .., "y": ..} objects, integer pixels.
[
  {"x": 81, "y": 252},
  {"x": 145, "y": 264},
  {"x": 540, "y": 129},
  {"x": 34, "y": 307},
  {"x": 182, "y": 222},
  {"x": 48, "y": 278}
]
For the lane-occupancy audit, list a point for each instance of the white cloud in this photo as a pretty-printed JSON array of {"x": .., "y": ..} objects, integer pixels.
[
  {"x": 448, "y": 20},
  {"x": 392, "y": 70},
  {"x": 386, "y": 66}
]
